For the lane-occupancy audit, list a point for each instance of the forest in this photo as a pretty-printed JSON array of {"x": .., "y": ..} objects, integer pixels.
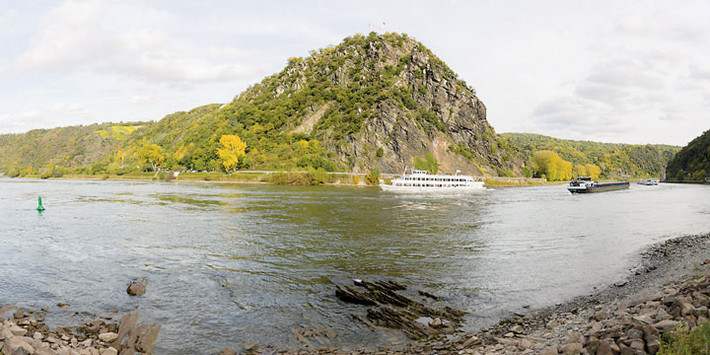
[
  {"x": 560, "y": 159},
  {"x": 692, "y": 163}
]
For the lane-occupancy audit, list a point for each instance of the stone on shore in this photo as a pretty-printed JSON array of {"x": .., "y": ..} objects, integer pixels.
[
  {"x": 137, "y": 287},
  {"x": 108, "y": 337},
  {"x": 108, "y": 351},
  {"x": 17, "y": 346},
  {"x": 666, "y": 325},
  {"x": 227, "y": 351}
]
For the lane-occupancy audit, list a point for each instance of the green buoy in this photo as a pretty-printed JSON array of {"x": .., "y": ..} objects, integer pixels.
[{"x": 40, "y": 207}]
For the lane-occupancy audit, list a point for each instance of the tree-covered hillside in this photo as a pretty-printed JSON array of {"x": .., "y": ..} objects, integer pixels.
[
  {"x": 692, "y": 163},
  {"x": 371, "y": 102},
  {"x": 612, "y": 160}
]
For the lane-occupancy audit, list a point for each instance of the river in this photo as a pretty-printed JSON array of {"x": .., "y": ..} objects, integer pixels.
[{"x": 230, "y": 264}]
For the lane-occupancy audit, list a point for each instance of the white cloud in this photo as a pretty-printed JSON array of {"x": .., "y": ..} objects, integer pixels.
[
  {"x": 68, "y": 36},
  {"x": 64, "y": 114},
  {"x": 121, "y": 40},
  {"x": 184, "y": 66},
  {"x": 645, "y": 73}
]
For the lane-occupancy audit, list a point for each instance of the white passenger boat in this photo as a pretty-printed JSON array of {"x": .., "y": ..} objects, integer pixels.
[
  {"x": 648, "y": 182},
  {"x": 420, "y": 180}
]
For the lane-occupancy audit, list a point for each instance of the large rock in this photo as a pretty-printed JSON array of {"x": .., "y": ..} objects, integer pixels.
[
  {"x": 137, "y": 287},
  {"x": 18, "y": 330},
  {"x": 125, "y": 327},
  {"x": 666, "y": 325},
  {"x": 572, "y": 349},
  {"x": 17, "y": 346},
  {"x": 604, "y": 348},
  {"x": 143, "y": 338}
]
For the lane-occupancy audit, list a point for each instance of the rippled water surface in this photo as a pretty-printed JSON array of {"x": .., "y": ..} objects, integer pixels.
[{"x": 229, "y": 264}]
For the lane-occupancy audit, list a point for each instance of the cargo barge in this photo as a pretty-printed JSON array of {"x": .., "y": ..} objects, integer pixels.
[{"x": 587, "y": 185}]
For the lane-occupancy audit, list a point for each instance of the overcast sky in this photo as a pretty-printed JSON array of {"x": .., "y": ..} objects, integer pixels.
[{"x": 610, "y": 71}]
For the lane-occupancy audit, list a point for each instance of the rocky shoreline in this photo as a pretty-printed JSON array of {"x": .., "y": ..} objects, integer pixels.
[
  {"x": 25, "y": 333},
  {"x": 668, "y": 290}
]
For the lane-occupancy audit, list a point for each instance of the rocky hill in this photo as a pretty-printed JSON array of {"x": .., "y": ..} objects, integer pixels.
[
  {"x": 376, "y": 101},
  {"x": 692, "y": 163}
]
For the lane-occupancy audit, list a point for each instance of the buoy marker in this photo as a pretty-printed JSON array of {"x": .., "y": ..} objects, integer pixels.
[{"x": 40, "y": 207}]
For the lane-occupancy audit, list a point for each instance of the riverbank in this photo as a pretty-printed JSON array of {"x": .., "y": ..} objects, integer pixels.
[
  {"x": 283, "y": 178},
  {"x": 666, "y": 292}
]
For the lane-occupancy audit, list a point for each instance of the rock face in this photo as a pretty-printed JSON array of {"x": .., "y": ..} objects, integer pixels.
[{"x": 394, "y": 310}]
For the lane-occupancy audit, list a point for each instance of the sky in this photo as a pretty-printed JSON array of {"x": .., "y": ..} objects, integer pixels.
[{"x": 609, "y": 71}]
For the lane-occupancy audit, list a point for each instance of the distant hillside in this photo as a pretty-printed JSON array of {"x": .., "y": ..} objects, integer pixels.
[
  {"x": 613, "y": 160},
  {"x": 692, "y": 163},
  {"x": 70, "y": 147},
  {"x": 376, "y": 101}
]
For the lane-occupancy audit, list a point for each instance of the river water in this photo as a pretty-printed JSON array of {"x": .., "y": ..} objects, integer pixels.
[{"x": 230, "y": 264}]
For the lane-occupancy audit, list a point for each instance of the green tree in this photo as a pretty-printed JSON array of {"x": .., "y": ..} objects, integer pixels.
[
  {"x": 428, "y": 163},
  {"x": 232, "y": 148},
  {"x": 373, "y": 177},
  {"x": 151, "y": 154}
]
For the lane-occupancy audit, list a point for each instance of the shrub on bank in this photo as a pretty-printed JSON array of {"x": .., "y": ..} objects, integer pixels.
[
  {"x": 289, "y": 178},
  {"x": 684, "y": 343}
]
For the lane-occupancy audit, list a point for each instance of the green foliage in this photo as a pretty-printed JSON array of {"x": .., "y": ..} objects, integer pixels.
[
  {"x": 613, "y": 160},
  {"x": 98, "y": 168},
  {"x": 692, "y": 163},
  {"x": 686, "y": 343},
  {"x": 373, "y": 177},
  {"x": 289, "y": 178},
  {"x": 13, "y": 173},
  {"x": 505, "y": 172},
  {"x": 527, "y": 172},
  {"x": 380, "y": 152},
  {"x": 428, "y": 163},
  {"x": 466, "y": 152},
  {"x": 318, "y": 176}
]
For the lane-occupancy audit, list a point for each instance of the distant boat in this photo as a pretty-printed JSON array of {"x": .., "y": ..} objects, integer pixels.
[
  {"x": 587, "y": 185},
  {"x": 648, "y": 182},
  {"x": 420, "y": 180}
]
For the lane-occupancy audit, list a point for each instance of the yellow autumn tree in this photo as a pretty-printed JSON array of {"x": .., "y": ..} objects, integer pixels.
[
  {"x": 232, "y": 148},
  {"x": 551, "y": 165},
  {"x": 152, "y": 154},
  {"x": 593, "y": 171}
]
